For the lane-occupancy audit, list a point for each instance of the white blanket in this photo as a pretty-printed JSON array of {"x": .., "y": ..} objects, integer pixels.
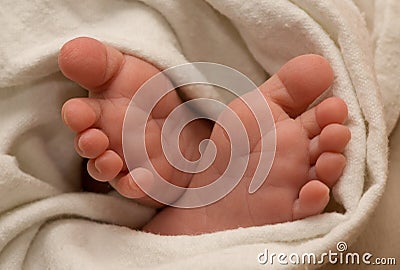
[{"x": 47, "y": 223}]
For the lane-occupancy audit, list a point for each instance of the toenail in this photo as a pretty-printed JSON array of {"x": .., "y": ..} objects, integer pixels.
[
  {"x": 64, "y": 117},
  {"x": 97, "y": 167},
  {"x": 79, "y": 145},
  {"x": 143, "y": 180},
  {"x": 312, "y": 174}
]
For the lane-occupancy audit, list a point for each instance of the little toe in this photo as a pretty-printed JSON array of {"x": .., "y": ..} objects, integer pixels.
[
  {"x": 128, "y": 187},
  {"x": 313, "y": 198},
  {"x": 105, "y": 167},
  {"x": 91, "y": 143},
  {"x": 298, "y": 83},
  {"x": 330, "y": 111},
  {"x": 80, "y": 113},
  {"x": 333, "y": 138},
  {"x": 328, "y": 168}
]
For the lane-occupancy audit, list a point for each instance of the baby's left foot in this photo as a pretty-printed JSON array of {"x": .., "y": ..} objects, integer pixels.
[
  {"x": 308, "y": 159},
  {"x": 112, "y": 79}
]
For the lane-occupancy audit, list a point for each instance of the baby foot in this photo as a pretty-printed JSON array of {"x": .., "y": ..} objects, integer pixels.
[
  {"x": 308, "y": 159},
  {"x": 112, "y": 78}
]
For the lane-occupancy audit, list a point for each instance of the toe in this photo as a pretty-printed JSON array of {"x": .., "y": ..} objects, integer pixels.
[
  {"x": 328, "y": 168},
  {"x": 80, "y": 113},
  {"x": 99, "y": 67},
  {"x": 89, "y": 62},
  {"x": 91, "y": 143},
  {"x": 330, "y": 111},
  {"x": 105, "y": 167},
  {"x": 313, "y": 198},
  {"x": 298, "y": 83},
  {"x": 333, "y": 138},
  {"x": 129, "y": 188}
]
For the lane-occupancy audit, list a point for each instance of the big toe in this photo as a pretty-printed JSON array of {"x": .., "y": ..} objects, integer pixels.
[
  {"x": 99, "y": 67},
  {"x": 298, "y": 83},
  {"x": 89, "y": 62}
]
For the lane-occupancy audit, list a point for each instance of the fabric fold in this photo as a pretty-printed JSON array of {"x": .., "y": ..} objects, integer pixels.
[{"x": 46, "y": 222}]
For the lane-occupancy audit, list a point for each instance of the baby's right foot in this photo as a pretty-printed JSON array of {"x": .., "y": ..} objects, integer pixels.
[
  {"x": 112, "y": 79},
  {"x": 308, "y": 159}
]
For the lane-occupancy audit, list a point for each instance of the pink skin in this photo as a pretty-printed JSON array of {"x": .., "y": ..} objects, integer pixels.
[{"x": 310, "y": 143}]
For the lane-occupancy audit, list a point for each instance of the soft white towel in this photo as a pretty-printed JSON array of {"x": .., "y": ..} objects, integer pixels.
[{"x": 46, "y": 223}]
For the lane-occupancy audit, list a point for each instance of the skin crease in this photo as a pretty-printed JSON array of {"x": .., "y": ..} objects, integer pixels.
[{"x": 308, "y": 160}]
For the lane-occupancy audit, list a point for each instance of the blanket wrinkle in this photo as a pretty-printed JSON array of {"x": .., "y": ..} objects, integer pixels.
[{"x": 47, "y": 223}]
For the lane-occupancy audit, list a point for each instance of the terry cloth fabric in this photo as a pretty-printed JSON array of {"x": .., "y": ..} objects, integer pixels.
[{"x": 47, "y": 223}]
